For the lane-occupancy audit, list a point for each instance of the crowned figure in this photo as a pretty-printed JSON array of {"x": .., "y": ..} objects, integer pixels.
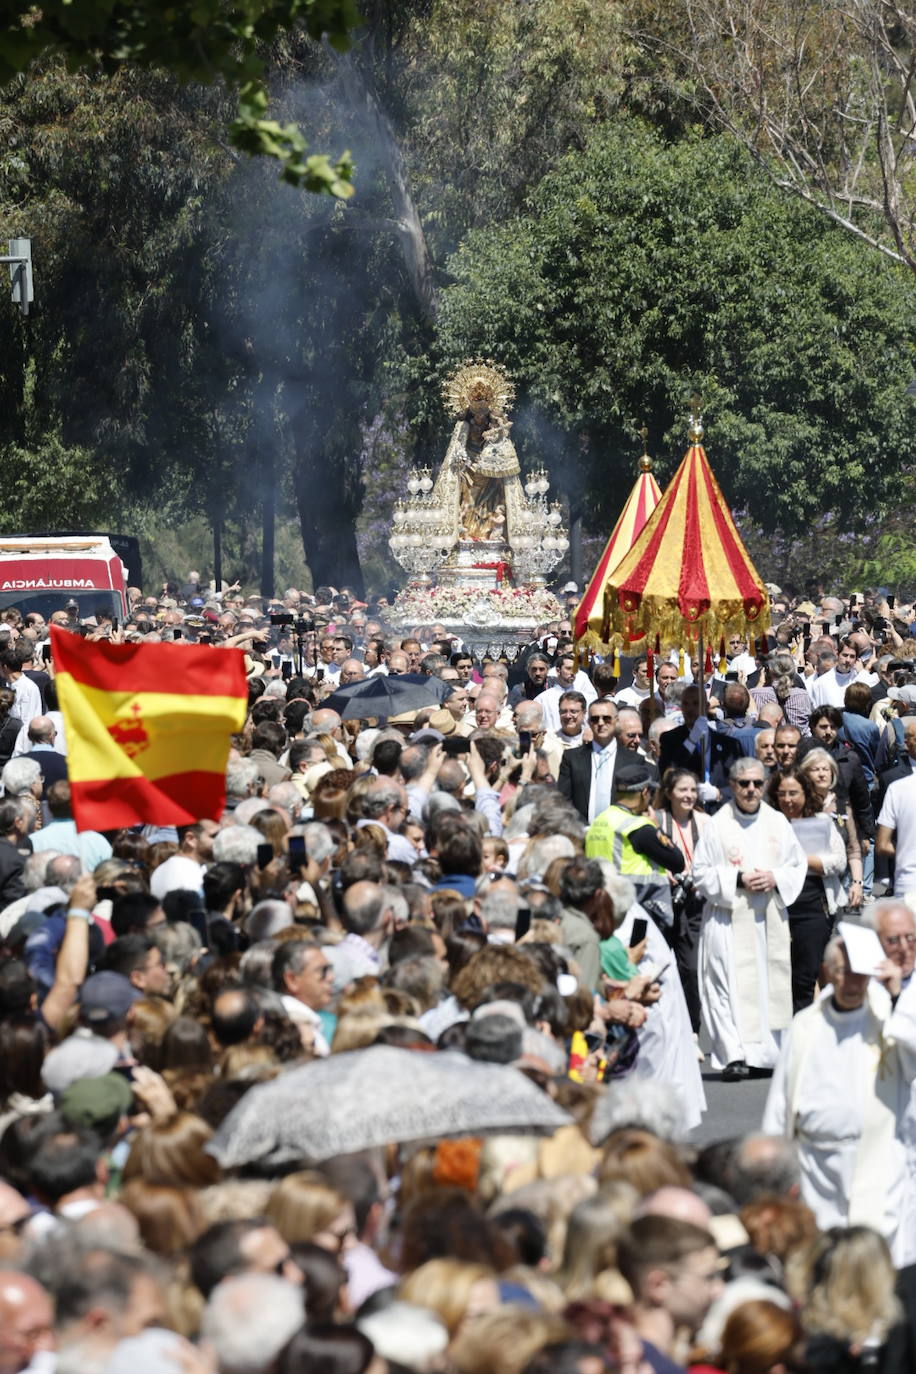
[{"x": 479, "y": 480}]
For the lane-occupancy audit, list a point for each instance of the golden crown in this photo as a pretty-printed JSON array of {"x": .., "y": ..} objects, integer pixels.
[{"x": 481, "y": 378}]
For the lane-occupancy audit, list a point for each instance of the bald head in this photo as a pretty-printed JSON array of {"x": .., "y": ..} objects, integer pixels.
[
  {"x": 42, "y": 730},
  {"x": 325, "y": 721},
  {"x": 26, "y": 1321},
  {"x": 678, "y": 1203},
  {"x": 451, "y": 777},
  {"x": 770, "y": 713},
  {"x": 487, "y": 710}
]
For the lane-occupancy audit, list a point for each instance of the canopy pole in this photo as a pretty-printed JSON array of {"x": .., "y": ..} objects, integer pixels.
[{"x": 701, "y": 669}]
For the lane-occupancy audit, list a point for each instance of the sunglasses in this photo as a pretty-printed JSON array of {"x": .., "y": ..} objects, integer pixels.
[
  {"x": 750, "y": 782},
  {"x": 595, "y": 720}
]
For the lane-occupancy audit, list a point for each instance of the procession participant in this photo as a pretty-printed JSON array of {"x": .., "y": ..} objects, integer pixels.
[
  {"x": 667, "y": 1053},
  {"x": 586, "y": 775},
  {"x": 896, "y": 840},
  {"x": 836, "y": 1091},
  {"x": 749, "y": 867},
  {"x": 566, "y": 679},
  {"x": 707, "y": 753},
  {"x": 573, "y": 728},
  {"x": 675, "y": 810},
  {"x": 628, "y": 837},
  {"x": 836, "y": 672},
  {"x": 535, "y": 682},
  {"x": 811, "y": 914},
  {"x": 527, "y": 715},
  {"x": 639, "y": 688}
]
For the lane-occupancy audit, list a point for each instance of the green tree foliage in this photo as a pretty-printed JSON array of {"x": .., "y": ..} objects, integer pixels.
[
  {"x": 645, "y": 270},
  {"x": 201, "y": 42},
  {"x": 110, "y": 177},
  {"x": 821, "y": 92}
]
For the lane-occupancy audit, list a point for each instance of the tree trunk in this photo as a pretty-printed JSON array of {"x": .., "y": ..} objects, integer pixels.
[
  {"x": 268, "y": 517},
  {"x": 328, "y": 531},
  {"x": 406, "y": 221},
  {"x": 576, "y": 563}
]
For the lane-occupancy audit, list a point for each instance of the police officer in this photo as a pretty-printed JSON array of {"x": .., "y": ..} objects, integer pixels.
[{"x": 630, "y": 839}]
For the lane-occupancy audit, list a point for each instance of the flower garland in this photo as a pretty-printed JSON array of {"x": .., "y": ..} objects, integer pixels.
[{"x": 476, "y": 605}]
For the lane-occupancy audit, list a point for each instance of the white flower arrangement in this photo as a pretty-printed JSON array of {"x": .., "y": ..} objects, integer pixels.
[{"x": 475, "y": 606}]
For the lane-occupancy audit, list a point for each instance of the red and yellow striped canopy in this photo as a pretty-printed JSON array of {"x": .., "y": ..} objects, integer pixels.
[
  {"x": 640, "y": 504},
  {"x": 688, "y": 570}
]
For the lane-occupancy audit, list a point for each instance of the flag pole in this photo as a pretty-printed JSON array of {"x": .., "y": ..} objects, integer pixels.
[{"x": 701, "y": 660}]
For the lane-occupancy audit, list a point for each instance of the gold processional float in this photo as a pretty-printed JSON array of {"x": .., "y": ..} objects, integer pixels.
[{"x": 478, "y": 542}]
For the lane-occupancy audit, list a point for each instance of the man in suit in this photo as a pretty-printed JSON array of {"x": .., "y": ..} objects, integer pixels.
[
  {"x": 709, "y": 754},
  {"x": 586, "y": 776},
  {"x": 42, "y": 734}
]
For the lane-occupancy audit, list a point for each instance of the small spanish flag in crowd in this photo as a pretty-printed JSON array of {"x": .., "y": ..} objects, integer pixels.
[{"x": 148, "y": 729}]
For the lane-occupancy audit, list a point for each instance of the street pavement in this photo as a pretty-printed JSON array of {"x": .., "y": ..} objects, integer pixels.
[{"x": 733, "y": 1109}]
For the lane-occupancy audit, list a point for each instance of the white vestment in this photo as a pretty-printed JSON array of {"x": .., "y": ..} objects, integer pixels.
[
  {"x": 744, "y": 958},
  {"x": 901, "y": 1031},
  {"x": 667, "y": 1053},
  {"x": 836, "y": 1091}
]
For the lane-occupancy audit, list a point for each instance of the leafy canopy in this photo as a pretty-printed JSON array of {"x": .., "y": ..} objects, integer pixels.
[
  {"x": 644, "y": 271},
  {"x": 201, "y": 41}
]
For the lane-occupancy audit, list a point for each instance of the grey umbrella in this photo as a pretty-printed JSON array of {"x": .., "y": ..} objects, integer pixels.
[{"x": 369, "y": 1097}]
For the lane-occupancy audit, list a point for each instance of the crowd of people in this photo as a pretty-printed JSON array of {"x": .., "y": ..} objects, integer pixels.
[{"x": 579, "y": 877}]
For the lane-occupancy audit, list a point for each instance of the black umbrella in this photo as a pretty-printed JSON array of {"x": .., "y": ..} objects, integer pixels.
[{"x": 387, "y": 695}]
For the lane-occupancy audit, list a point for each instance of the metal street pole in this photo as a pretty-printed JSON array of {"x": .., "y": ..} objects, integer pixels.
[{"x": 19, "y": 260}]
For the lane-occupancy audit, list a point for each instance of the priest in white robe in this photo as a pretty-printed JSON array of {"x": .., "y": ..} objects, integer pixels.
[
  {"x": 895, "y": 927},
  {"x": 667, "y": 1050},
  {"x": 750, "y": 867},
  {"x": 837, "y": 1091}
]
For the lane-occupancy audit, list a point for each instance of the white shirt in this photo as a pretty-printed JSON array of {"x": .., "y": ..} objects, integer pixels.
[
  {"x": 549, "y": 701},
  {"x": 830, "y": 688},
  {"x": 632, "y": 697},
  {"x": 28, "y": 699},
  {"x": 603, "y": 760},
  {"x": 898, "y": 813},
  {"x": 24, "y": 745},
  {"x": 302, "y": 1014}
]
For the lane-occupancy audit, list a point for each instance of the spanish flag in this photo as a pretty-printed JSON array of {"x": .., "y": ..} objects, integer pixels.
[{"x": 148, "y": 728}]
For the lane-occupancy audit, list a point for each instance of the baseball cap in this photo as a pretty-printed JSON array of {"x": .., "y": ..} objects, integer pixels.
[
  {"x": 98, "y": 1103},
  {"x": 632, "y": 777},
  {"x": 906, "y": 694},
  {"x": 106, "y": 996}
]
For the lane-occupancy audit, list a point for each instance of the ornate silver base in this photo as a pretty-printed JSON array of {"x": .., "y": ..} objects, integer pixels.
[{"x": 461, "y": 565}]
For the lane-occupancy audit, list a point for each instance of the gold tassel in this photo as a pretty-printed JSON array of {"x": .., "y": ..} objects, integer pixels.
[
  {"x": 615, "y": 667},
  {"x": 680, "y": 662}
]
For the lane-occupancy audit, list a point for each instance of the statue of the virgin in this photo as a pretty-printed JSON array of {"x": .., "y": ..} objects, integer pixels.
[{"x": 479, "y": 479}]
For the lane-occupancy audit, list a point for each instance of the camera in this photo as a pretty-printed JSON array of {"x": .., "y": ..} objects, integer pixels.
[{"x": 300, "y": 625}]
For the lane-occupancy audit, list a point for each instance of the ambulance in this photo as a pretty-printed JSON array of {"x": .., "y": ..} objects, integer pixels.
[{"x": 51, "y": 572}]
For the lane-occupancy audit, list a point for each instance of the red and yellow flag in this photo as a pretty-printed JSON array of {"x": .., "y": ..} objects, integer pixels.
[{"x": 148, "y": 728}]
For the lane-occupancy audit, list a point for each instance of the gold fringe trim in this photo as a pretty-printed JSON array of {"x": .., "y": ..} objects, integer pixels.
[{"x": 654, "y": 616}]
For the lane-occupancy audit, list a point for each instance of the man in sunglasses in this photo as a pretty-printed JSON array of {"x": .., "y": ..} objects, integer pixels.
[
  {"x": 586, "y": 776},
  {"x": 750, "y": 867}
]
